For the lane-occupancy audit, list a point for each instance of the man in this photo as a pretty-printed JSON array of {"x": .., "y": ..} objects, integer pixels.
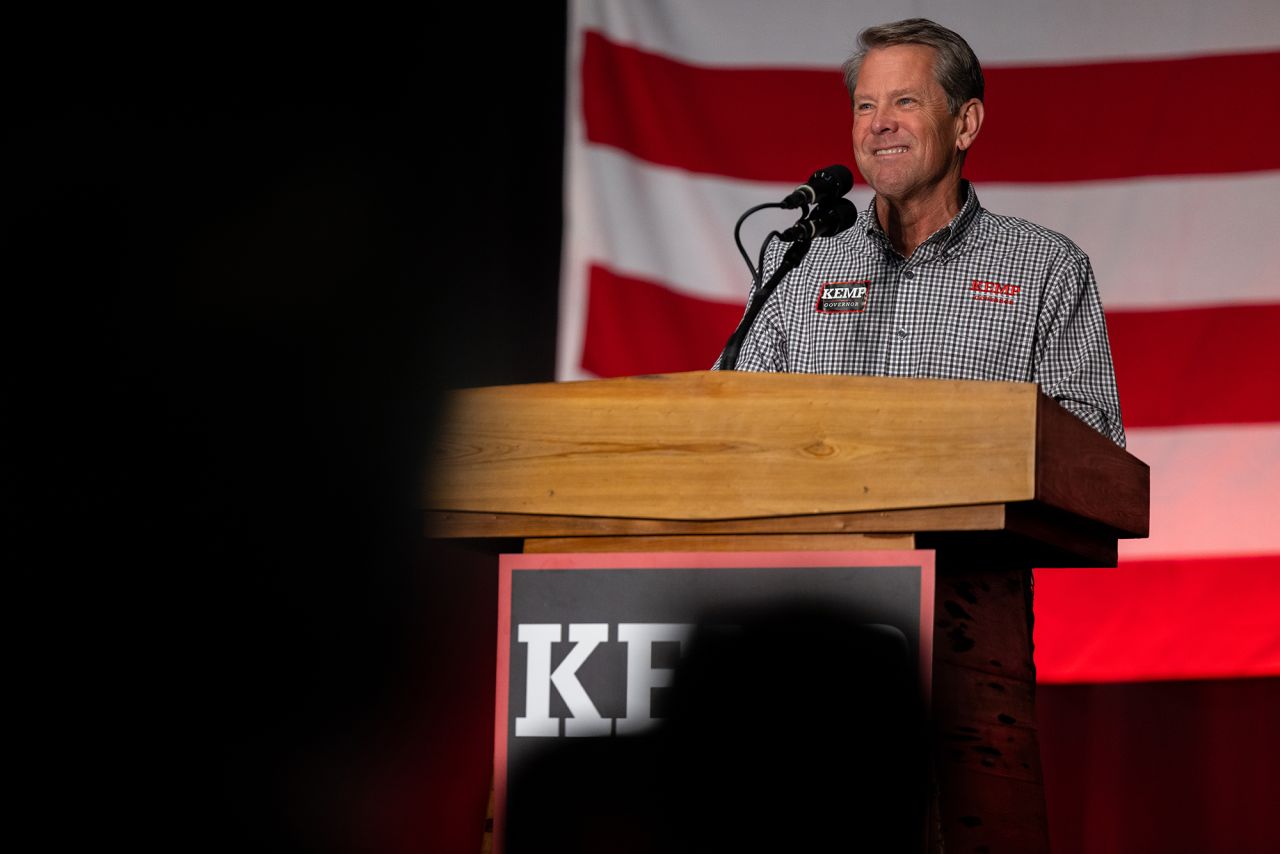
[{"x": 927, "y": 283}]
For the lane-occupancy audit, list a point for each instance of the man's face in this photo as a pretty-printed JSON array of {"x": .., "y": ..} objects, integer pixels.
[{"x": 904, "y": 137}]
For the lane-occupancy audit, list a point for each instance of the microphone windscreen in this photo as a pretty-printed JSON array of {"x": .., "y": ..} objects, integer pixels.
[
  {"x": 843, "y": 215},
  {"x": 832, "y": 182}
]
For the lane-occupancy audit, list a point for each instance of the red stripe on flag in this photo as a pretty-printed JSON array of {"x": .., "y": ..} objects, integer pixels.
[
  {"x": 1097, "y": 121},
  {"x": 1204, "y": 618},
  {"x": 1161, "y": 766},
  {"x": 1197, "y": 366},
  {"x": 1044, "y": 123},
  {"x": 764, "y": 124},
  {"x": 637, "y": 327},
  {"x": 1174, "y": 368}
]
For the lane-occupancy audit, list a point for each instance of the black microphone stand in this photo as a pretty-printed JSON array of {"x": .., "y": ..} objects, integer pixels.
[{"x": 790, "y": 260}]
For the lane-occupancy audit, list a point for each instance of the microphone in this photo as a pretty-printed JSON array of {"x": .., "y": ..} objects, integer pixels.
[
  {"x": 827, "y": 219},
  {"x": 830, "y": 183}
]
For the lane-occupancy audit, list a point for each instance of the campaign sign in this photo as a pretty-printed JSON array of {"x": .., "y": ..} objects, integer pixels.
[{"x": 603, "y": 647}]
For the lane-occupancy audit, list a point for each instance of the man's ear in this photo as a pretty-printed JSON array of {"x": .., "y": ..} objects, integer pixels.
[{"x": 969, "y": 121}]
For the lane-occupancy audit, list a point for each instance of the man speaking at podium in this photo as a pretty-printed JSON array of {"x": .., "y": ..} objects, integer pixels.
[{"x": 927, "y": 283}]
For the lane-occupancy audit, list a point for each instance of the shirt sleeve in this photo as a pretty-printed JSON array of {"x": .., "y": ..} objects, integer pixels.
[{"x": 1073, "y": 355}]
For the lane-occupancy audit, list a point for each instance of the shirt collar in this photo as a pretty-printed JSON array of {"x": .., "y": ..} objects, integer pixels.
[{"x": 946, "y": 237}]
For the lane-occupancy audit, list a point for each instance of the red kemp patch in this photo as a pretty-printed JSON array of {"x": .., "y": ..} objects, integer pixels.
[
  {"x": 843, "y": 297},
  {"x": 994, "y": 292}
]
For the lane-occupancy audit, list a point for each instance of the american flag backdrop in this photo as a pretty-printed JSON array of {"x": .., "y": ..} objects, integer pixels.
[{"x": 1148, "y": 132}]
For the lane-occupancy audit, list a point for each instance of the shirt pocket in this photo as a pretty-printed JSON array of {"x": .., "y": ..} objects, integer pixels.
[{"x": 987, "y": 337}]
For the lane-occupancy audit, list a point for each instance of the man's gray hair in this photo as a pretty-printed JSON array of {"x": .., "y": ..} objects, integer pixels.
[{"x": 956, "y": 67}]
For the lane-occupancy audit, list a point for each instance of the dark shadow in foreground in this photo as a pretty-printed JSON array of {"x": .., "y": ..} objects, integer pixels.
[{"x": 794, "y": 729}]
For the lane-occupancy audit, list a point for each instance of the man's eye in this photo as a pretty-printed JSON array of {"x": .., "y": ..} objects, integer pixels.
[
  {"x": 862, "y": 107},
  {"x": 906, "y": 100}
]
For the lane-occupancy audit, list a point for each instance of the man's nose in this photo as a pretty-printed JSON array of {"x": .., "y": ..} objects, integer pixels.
[{"x": 883, "y": 122}]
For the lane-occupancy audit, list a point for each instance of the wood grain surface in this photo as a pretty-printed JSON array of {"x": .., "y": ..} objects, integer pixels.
[
  {"x": 984, "y": 517},
  {"x": 713, "y": 445},
  {"x": 986, "y": 749},
  {"x": 723, "y": 543},
  {"x": 1082, "y": 472}
]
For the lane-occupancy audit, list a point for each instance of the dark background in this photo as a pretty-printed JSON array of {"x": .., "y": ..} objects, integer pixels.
[{"x": 244, "y": 255}]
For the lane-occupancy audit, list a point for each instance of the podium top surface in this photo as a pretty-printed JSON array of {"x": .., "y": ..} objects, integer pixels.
[{"x": 727, "y": 445}]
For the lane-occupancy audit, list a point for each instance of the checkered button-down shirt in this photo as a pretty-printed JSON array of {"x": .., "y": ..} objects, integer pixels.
[{"x": 987, "y": 297}]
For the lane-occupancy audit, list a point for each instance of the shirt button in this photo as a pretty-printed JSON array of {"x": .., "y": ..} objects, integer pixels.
[
  {"x": 902, "y": 334},
  {"x": 909, "y": 275}
]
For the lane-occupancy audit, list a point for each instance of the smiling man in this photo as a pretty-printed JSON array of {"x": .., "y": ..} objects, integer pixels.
[{"x": 928, "y": 283}]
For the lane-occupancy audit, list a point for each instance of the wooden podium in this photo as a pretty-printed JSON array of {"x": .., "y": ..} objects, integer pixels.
[{"x": 995, "y": 477}]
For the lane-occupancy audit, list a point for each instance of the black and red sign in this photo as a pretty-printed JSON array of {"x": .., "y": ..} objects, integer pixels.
[{"x": 608, "y": 655}]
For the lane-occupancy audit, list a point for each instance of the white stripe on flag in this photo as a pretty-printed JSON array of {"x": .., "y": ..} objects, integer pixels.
[
  {"x": 1214, "y": 490},
  {"x": 1155, "y": 243},
  {"x": 821, "y": 33}
]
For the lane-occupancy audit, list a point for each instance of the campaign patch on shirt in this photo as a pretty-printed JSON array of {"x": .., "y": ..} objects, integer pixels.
[
  {"x": 843, "y": 296},
  {"x": 994, "y": 292}
]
